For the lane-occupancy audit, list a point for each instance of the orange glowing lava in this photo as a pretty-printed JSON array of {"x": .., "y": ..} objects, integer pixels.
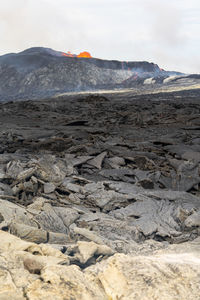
[{"x": 82, "y": 54}]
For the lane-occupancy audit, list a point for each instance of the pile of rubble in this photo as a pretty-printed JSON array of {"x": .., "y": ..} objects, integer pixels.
[
  {"x": 79, "y": 192},
  {"x": 45, "y": 199}
]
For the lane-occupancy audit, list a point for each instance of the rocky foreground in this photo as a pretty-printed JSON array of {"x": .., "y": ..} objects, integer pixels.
[{"x": 100, "y": 197}]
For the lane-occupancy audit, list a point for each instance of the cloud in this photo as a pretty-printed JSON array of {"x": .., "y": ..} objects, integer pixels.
[{"x": 166, "y": 22}]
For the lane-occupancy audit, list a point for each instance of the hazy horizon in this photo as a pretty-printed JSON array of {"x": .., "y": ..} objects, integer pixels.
[{"x": 163, "y": 32}]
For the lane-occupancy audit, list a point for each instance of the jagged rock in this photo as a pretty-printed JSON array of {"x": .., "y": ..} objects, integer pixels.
[
  {"x": 37, "y": 205},
  {"x": 76, "y": 161},
  {"x": 143, "y": 163},
  {"x": 40, "y": 272},
  {"x": 49, "y": 188},
  {"x": 193, "y": 220},
  {"x": 180, "y": 149},
  {"x": 146, "y": 277},
  {"x": 10, "y": 212},
  {"x": 29, "y": 233},
  {"x": 192, "y": 156},
  {"x": 116, "y": 162},
  {"x": 58, "y": 238},
  {"x": 5, "y": 189},
  {"x": 188, "y": 176},
  {"x": 137, "y": 199},
  {"x": 25, "y": 174},
  {"x": 126, "y": 175},
  {"x": 14, "y": 168},
  {"x": 2, "y": 172},
  {"x": 49, "y": 170},
  {"x": 91, "y": 236},
  {"x": 83, "y": 252},
  {"x": 72, "y": 187},
  {"x": 158, "y": 217},
  {"x": 185, "y": 178},
  {"x": 96, "y": 194},
  {"x": 68, "y": 215},
  {"x": 97, "y": 161},
  {"x": 37, "y": 235},
  {"x": 49, "y": 220}
]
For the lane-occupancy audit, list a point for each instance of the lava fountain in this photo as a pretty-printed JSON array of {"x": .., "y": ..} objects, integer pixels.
[{"x": 84, "y": 54}]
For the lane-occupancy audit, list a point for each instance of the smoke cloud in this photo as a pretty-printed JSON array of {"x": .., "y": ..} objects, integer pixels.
[{"x": 164, "y": 32}]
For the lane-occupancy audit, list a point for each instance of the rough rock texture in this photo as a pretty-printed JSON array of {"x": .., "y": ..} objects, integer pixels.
[
  {"x": 34, "y": 272},
  {"x": 100, "y": 197}
]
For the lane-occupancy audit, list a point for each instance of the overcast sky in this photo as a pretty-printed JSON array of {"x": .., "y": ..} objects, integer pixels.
[{"x": 166, "y": 32}]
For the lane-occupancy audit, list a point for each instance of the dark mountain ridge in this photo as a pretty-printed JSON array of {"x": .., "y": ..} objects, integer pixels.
[{"x": 41, "y": 72}]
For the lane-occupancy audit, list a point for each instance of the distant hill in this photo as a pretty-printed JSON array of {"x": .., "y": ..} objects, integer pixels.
[{"x": 42, "y": 72}]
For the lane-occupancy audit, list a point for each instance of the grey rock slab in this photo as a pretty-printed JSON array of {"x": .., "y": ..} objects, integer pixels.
[
  {"x": 98, "y": 160},
  {"x": 175, "y": 163},
  {"x": 7, "y": 157},
  {"x": 150, "y": 155},
  {"x": 57, "y": 238},
  {"x": 97, "y": 195},
  {"x": 14, "y": 168},
  {"x": 176, "y": 196},
  {"x": 37, "y": 205},
  {"x": 193, "y": 220},
  {"x": 72, "y": 186},
  {"x": 68, "y": 215},
  {"x": 25, "y": 174},
  {"x": 196, "y": 141},
  {"x": 158, "y": 212},
  {"x": 75, "y": 199},
  {"x": 49, "y": 220},
  {"x": 92, "y": 187},
  {"x": 107, "y": 199},
  {"x": 192, "y": 156},
  {"x": 49, "y": 188},
  {"x": 138, "y": 193},
  {"x": 180, "y": 149},
  {"x": 2, "y": 172},
  {"x": 28, "y": 233},
  {"x": 185, "y": 177},
  {"x": 127, "y": 175},
  {"x": 5, "y": 189},
  {"x": 141, "y": 175},
  {"x": 74, "y": 161},
  {"x": 84, "y": 251},
  {"x": 88, "y": 234},
  {"x": 124, "y": 187},
  {"x": 151, "y": 217},
  {"x": 116, "y": 162},
  {"x": 112, "y": 230},
  {"x": 89, "y": 217},
  {"x": 49, "y": 170},
  {"x": 28, "y": 186},
  {"x": 188, "y": 176},
  {"x": 10, "y": 211}
]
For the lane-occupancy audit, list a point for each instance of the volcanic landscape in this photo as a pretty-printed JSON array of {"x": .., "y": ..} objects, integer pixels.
[{"x": 99, "y": 179}]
